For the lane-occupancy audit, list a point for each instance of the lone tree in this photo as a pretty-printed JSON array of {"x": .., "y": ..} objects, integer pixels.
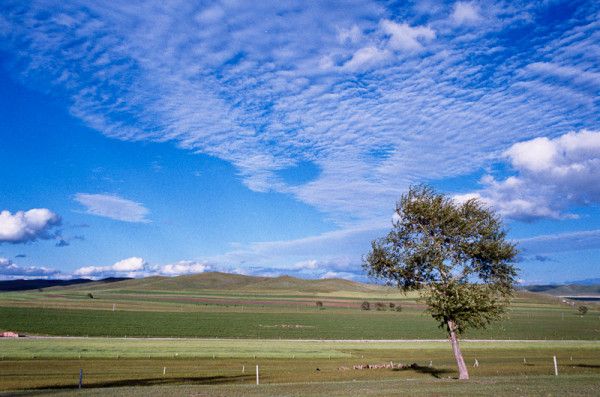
[{"x": 456, "y": 254}]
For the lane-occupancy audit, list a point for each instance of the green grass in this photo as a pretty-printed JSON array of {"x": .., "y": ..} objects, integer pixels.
[
  {"x": 524, "y": 323},
  {"x": 94, "y": 348},
  {"x": 273, "y": 323},
  {"x": 579, "y": 385},
  {"x": 290, "y": 367}
]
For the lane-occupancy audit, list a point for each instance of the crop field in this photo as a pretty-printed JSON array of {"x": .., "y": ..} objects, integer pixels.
[
  {"x": 285, "y": 314},
  {"x": 154, "y": 337}
]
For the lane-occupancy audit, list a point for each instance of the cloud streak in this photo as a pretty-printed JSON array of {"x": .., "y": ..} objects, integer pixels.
[{"x": 113, "y": 207}]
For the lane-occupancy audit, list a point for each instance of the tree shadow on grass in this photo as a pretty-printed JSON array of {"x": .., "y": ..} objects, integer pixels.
[
  {"x": 435, "y": 372},
  {"x": 593, "y": 366},
  {"x": 195, "y": 380}
]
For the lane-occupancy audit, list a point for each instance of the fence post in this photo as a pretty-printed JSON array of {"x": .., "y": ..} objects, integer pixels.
[
  {"x": 555, "y": 367},
  {"x": 257, "y": 380},
  {"x": 80, "y": 377}
]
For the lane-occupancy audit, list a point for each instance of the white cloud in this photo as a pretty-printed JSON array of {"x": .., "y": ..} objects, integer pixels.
[
  {"x": 113, "y": 207},
  {"x": 10, "y": 270},
  {"x": 132, "y": 264},
  {"x": 551, "y": 176},
  {"x": 365, "y": 57},
  {"x": 183, "y": 267},
  {"x": 344, "y": 275},
  {"x": 465, "y": 13},
  {"x": 405, "y": 37},
  {"x": 130, "y": 267},
  {"x": 137, "y": 267},
  {"x": 24, "y": 226},
  {"x": 534, "y": 155},
  {"x": 263, "y": 86}
]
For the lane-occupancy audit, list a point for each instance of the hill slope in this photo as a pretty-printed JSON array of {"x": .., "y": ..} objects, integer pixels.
[
  {"x": 565, "y": 290},
  {"x": 232, "y": 282}
]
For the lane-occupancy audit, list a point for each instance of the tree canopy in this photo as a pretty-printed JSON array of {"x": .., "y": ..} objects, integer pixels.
[{"x": 456, "y": 254}]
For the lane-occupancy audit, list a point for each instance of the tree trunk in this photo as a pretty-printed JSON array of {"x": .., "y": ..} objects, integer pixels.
[{"x": 463, "y": 372}]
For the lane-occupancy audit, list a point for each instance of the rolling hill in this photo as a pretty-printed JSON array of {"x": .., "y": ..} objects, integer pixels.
[
  {"x": 229, "y": 282},
  {"x": 565, "y": 290}
]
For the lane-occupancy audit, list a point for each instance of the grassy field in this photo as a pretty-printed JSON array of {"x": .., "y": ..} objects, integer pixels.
[
  {"x": 274, "y": 323},
  {"x": 523, "y": 323},
  {"x": 299, "y": 366},
  {"x": 578, "y": 385}
]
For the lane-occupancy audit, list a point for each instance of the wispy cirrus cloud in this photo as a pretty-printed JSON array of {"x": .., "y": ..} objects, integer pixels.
[
  {"x": 561, "y": 242},
  {"x": 268, "y": 85},
  {"x": 113, "y": 207}
]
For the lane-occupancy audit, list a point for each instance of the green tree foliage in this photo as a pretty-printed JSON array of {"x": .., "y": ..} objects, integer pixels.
[{"x": 456, "y": 254}]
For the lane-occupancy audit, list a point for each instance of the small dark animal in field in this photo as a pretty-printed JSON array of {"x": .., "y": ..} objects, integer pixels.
[
  {"x": 319, "y": 305},
  {"x": 90, "y": 295}
]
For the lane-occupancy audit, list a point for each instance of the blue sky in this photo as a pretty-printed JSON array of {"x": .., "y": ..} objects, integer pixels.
[{"x": 275, "y": 138}]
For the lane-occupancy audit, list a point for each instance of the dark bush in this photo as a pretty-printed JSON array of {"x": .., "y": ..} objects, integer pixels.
[
  {"x": 582, "y": 310},
  {"x": 365, "y": 306},
  {"x": 380, "y": 306},
  {"x": 392, "y": 305},
  {"x": 398, "y": 308},
  {"x": 90, "y": 295},
  {"x": 319, "y": 304}
]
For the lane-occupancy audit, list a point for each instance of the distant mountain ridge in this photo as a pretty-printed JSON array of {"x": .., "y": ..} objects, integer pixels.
[
  {"x": 24, "y": 285},
  {"x": 587, "y": 281},
  {"x": 566, "y": 289}
]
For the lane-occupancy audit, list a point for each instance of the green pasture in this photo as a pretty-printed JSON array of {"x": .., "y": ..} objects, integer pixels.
[
  {"x": 574, "y": 385},
  {"x": 101, "y": 348},
  {"x": 411, "y": 323},
  {"x": 208, "y": 342},
  {"x": 187, "y": 367}
]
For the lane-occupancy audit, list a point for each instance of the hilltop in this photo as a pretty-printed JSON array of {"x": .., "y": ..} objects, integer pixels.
[{"x": 202, "y": 281}]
